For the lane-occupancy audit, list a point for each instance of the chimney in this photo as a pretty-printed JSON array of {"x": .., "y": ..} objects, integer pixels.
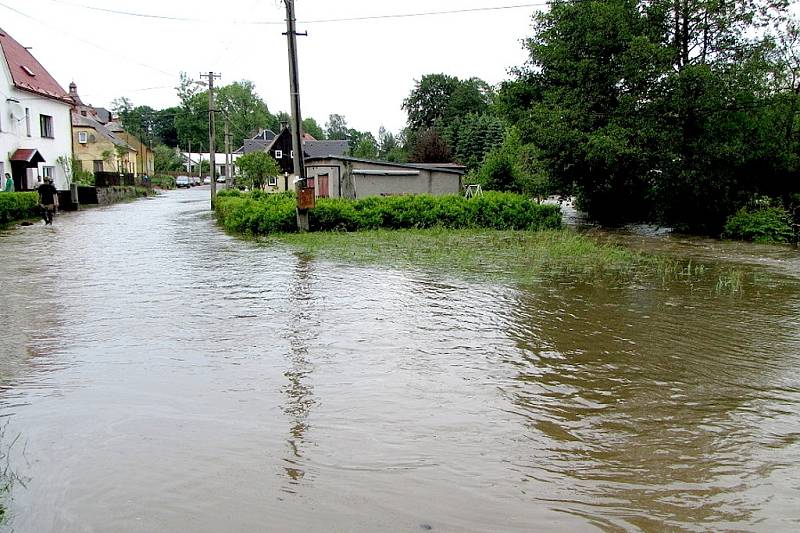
[
  {"x": 284, "y": 125},
  {"x": 73, "y": 93}
]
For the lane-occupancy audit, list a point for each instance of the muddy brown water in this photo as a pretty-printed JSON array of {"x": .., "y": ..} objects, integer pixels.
[{"x": 159, "y": 375}]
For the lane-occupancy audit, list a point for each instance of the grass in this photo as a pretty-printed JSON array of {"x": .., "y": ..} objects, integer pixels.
[
  {"x": 523, "y": 255},
  {"x": 518, "y": 256}
]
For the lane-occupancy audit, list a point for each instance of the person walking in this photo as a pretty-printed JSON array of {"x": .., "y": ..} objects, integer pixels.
[{"x": 47, "y": 199}]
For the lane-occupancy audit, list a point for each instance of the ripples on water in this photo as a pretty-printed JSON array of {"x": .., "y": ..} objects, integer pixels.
[{"x": 165, "y": 376}]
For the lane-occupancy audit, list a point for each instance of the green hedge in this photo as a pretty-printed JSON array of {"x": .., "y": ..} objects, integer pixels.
[
  {"x": 259, "y": 213},
  {"x": 163, "y": 182},
  {"x": 15, "y": 206},
  {"x": 760, "y": 224}
]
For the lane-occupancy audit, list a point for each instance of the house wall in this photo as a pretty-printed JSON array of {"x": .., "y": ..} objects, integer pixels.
[
  {"x": 89, "y": 152},
  {"x": 143, "y": 161},
  {"x": 13, "y": 132},
  {"x": 345, "y": 181}
]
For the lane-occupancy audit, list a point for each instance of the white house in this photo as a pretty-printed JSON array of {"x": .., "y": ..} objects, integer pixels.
[
  {"x": 35, "y": 123},
  {"x": 192, "y": 162}
]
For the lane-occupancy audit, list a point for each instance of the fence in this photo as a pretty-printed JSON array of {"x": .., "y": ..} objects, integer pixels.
[{"x": 113, "y": 179}]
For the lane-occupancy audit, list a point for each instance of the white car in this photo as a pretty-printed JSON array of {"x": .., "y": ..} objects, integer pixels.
[
  {"x": 221, "y": 179},
  {"x": 207, "y": 180}
]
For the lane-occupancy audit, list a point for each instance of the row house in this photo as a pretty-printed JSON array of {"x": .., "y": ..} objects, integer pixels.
[
  {"x": 35, "y": 125},
  {"x": 101, "y": 144}
]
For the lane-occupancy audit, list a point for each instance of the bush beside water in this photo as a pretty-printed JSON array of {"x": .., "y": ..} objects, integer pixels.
[
  {"x": 760, "y": 224},
  {"x": 15, "y": 206},
  {"x": 259, "y": 213}
]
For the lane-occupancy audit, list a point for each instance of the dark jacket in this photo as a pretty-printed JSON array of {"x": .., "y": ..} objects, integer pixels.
[{"x": 46, "y": 193}]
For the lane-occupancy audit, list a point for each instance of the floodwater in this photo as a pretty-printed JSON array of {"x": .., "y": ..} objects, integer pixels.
[{"x": 159, "y": 375}]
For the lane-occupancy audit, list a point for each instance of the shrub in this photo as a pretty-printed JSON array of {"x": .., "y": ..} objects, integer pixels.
[
  {"x": 16, "y": 206},
  {"x": 759, "y": 224},
  {"x": 163, "y": 182},
  {"x": 259, "y": 213}
]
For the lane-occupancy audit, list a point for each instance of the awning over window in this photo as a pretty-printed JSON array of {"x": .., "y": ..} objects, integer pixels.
[{"x": 28, "y": 155}]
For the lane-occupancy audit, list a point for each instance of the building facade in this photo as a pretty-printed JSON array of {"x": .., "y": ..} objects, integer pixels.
[
  {"x": 35, "y": 126},
  {"x": 353, "y": 178}
]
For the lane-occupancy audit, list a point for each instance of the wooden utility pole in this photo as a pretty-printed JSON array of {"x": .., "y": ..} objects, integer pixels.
[
  {"x": 212, "y": 133},
  {"x": 297, "y": 121},
  {"x": 228, "y": 156}
]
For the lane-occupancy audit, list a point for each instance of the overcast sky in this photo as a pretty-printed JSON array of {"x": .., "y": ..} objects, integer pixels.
[{"x": 360, "y": 69}]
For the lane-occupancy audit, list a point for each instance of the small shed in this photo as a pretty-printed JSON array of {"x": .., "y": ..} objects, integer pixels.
[{"x": 354, "y": 178}]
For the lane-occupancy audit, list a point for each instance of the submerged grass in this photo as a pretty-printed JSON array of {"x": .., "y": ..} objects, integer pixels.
[
  {"x": 524, "y": 255},
  {"x": 520, "y": 256}
]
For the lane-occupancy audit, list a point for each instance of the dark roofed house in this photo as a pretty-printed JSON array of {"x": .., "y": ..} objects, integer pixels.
[
  {"x": 34, "y": 119},
  {"x": 257, "y": 143}
]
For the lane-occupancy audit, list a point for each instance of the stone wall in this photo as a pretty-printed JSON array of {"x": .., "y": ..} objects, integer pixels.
[{"x": 113, "y": 195}]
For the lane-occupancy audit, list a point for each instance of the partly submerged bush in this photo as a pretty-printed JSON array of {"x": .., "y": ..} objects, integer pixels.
[
  {"x": 260, "y": 213},
  {"x": 16, "y": 206},
  {"x": 759, "y": 224}
]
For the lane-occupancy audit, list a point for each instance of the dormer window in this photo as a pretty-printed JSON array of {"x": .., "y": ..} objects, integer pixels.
[{"x": 28, "y": 71}]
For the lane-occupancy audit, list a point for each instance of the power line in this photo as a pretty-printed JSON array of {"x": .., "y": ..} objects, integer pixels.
[
  {"x": 313, "y": 21},
  {"x": 90, "y": 43}
]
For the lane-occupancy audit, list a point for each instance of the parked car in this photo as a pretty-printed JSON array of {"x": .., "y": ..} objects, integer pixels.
[
  {"x": 221, "y": 179},
  {"x": 195, "y": 181},
  {"x": 207, "y": 180},
  {"x": 183, "y": 181}
]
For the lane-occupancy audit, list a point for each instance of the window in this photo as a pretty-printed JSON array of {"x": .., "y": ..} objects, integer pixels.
[
  {"x": 28, "y": 121},
  {"x": 49, "y": 172},
  {"x": 98, "y": 165},
  {"x": 278, "y": 154},
  {"x": 83, "y": 137},
  {"x": 273, "y": 181},
  {"x": 46, "y": 126}
]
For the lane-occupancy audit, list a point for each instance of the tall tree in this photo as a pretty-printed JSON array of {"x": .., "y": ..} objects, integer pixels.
[
  {"x": 311, "y": 127},
  {"x": 430, "y": 147},
  {"x": 650, "y": 109},
  {"x": 246, "y": 111},
  {"x": 336, "y": 128}
]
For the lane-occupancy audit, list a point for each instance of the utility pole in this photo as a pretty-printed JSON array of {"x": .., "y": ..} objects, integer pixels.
[
  {"x": 189, "y": 160},
  {"x": 212, "y": 133},
  {"x": 297, "y": 121},
  {"x": 227, "y": 153}
]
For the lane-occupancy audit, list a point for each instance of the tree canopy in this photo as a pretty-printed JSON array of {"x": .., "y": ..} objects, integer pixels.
[{"x": 656, "y": 110}]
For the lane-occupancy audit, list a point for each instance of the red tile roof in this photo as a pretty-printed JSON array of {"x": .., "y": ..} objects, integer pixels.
[
  {"x": 22, "y": 64},
  {"x": 27, "y": 155}
]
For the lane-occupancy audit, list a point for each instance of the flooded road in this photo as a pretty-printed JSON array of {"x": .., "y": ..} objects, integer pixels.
[{"x": 159, "y": 375}]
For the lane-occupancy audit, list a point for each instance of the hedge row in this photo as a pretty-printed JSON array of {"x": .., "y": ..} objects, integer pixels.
[
  {"x": 15, "y": 206},
  {"x": 259, "y": 213}
]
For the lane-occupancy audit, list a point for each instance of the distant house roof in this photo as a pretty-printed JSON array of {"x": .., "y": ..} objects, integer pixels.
[
  {"x": 103, "y": 114},
  {"x": 80, "y": 121},
  {"x": 257, "y": 143},
  {"x": 308, "y": 137},
  {"x": 325, "y": 148},
  {"x": 448, "y": 168},
  {"x": 27, "y": 73},
  {"x": 253, "y": 145}
]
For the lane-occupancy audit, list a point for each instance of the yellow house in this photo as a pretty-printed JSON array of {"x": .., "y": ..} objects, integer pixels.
[
  {"x": 144, "y": 162},
  {"x": 96, "y": 147}
]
